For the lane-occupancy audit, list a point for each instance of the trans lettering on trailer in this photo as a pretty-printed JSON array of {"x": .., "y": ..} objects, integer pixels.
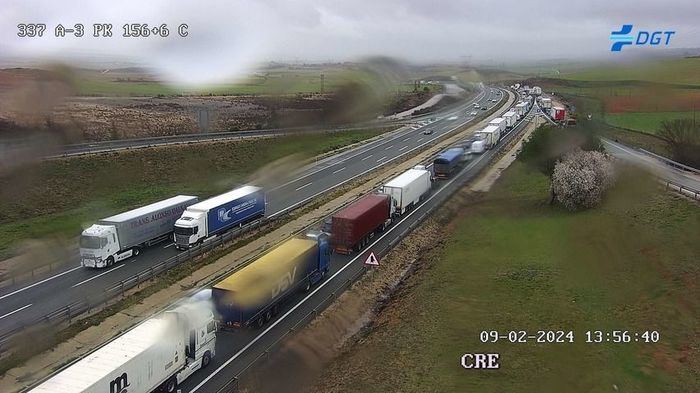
[
  {"x": 119, "y": 384},
  {"x": 284, "y": 283},
  {"x": 159, "y": 215}
]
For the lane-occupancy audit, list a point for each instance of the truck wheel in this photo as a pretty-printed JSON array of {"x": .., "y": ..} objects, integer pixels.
[
  {"x": 136, "y": 251},
  {"x": 307, "y": 286},
  {"x": 259, "y": 322},
  {"x": 206, "y": 359},
  {"x": 268, "y": 315},
  {"x": 110, "y": 261},
  {"x": 170, "y": 385}
]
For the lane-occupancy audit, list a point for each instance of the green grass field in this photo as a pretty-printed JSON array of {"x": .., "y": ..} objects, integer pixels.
[
  {"x": 684, "y": 71},
  {"x": 514, "y": 262},
  {"x": 648, "y": 122},
  {"x": 55, "y": 198}
]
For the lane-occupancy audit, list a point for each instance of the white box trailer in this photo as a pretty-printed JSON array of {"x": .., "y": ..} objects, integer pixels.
[
  {"x": 500, "y": 123},
  {"x": 520, "y": 109},
  {"x": 159, "y": 353},
  {"x": 408, "y": 188},
  {"x": 491, "y": 135},
  {"x": 118, "y": 237},
  {"x": 477, "y": 147},
  {"x": 511, "y": 117},
  {"x": 536, "y": 90},
  {"x": 546, "y": 103}
]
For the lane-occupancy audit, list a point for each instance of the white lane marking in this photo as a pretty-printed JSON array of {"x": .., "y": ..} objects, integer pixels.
[
  {"x": 419, "y": 139},
  {"x": 405, "y": 147},
  {"x": 17, "y": 310},
  {"x": 328, "y": 280},
  {"x": 362, "y": 173},
  {"x": 368, "y": 157},
  {"x": 363, "y": 149},
  {"x": 97, "y": 276},
  {"x": 339, "y": 170},
  {"x": 381, "y": 159},
  {"x": 40, "y": 282},
  {"x": 304, "y": 186},
  {"x": 169, "y": 245},
  {"x": 407, "y": 139},
  {"x": 388, "y": 147}
]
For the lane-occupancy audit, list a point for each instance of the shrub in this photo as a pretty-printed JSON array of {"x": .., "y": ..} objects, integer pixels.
[
  {"x": 581, "y": 178},
  {"x": 682, "y": 136}
]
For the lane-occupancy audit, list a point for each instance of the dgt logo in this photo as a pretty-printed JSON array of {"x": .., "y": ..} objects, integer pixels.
[
  {"x": 119, "y": 384},
  {"x": 623, "y": 37}
]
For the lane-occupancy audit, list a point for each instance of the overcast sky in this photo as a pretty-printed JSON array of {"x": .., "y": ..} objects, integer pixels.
[{"x": 227, "y": 37}]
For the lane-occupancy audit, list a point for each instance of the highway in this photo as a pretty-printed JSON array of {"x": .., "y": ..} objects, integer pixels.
[
  {"x": 238, "y": 351},
  {"x": 659, "y": 168},
  {"x": 18, "y": 147},
  {"x": 25, "y": 302}
]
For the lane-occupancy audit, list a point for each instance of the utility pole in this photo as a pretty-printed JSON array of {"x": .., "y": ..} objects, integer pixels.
[{"x": 323, "y": 77}]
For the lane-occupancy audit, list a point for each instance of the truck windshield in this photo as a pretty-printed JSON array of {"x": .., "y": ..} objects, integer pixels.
[
  {"x": 92, "y": 242},
  {"x": 184, "y": 231}
]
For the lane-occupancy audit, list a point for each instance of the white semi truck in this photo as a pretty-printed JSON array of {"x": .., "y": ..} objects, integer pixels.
[
  {"x": 499, "y": 122},
  {"x": 511, "y": 118},
  {"x": 118, "y": 237},
  {"x": 206, "y": 219},
  {"x": 160, "y": 353},
  {"x": 408, "y": 188},
  {"x": 491, "y": 135}
]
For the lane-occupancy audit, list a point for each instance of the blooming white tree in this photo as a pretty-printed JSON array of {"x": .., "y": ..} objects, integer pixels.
[{"x": 581, "y": 178}]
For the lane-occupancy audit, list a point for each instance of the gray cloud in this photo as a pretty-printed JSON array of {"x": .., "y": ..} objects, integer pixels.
[{"x": 228, "y": 37}]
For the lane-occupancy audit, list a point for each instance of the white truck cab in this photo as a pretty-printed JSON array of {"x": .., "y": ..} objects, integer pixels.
[
  {"x": 99, "y": 246},
  {"x": 190, "y": 228}
]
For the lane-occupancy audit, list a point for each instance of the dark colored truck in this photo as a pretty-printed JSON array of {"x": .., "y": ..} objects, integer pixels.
[
  {"x": 253, "y": 294},
  {"x": 355, "y": 225},
  {"x": 447, "y": 161}
]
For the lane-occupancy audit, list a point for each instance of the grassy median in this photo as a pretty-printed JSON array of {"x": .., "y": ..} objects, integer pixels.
[{"x": 54, "y": 198}]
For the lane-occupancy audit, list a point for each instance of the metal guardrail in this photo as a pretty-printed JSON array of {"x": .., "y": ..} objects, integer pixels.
[
  {"x": 683, "y": 190},
  {"x": 70, "y": 312},
  {"x": 671, "y": 163},
  {"x": 99, "y": 302},
  {"x": 232, "y": 385}
]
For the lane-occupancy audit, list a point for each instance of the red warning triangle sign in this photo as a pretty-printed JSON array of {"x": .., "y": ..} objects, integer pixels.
[{"x": 372, "y": 260}]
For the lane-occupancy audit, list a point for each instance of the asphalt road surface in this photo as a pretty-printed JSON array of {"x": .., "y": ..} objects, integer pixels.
[
  {"x": 238, "y": 351},
  {"x": 659, "y": 168},
  {"x": 25, "y": 302}
]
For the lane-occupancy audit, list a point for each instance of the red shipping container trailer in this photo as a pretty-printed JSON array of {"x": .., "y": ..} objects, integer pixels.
[
  {"x": 352, "y": 227},
  {"x": 559, "y": 113}
]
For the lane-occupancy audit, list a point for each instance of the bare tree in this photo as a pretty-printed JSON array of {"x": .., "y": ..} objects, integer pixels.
[
  {"x": 581, "y": 178},
  {"x": 682, "y": 136}
]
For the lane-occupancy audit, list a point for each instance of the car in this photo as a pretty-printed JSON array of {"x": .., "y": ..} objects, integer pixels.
[
  {"x": 473, "y": 113},
  {"x": 427, "y": 132},
  {"x": 483, "y": 108}
]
